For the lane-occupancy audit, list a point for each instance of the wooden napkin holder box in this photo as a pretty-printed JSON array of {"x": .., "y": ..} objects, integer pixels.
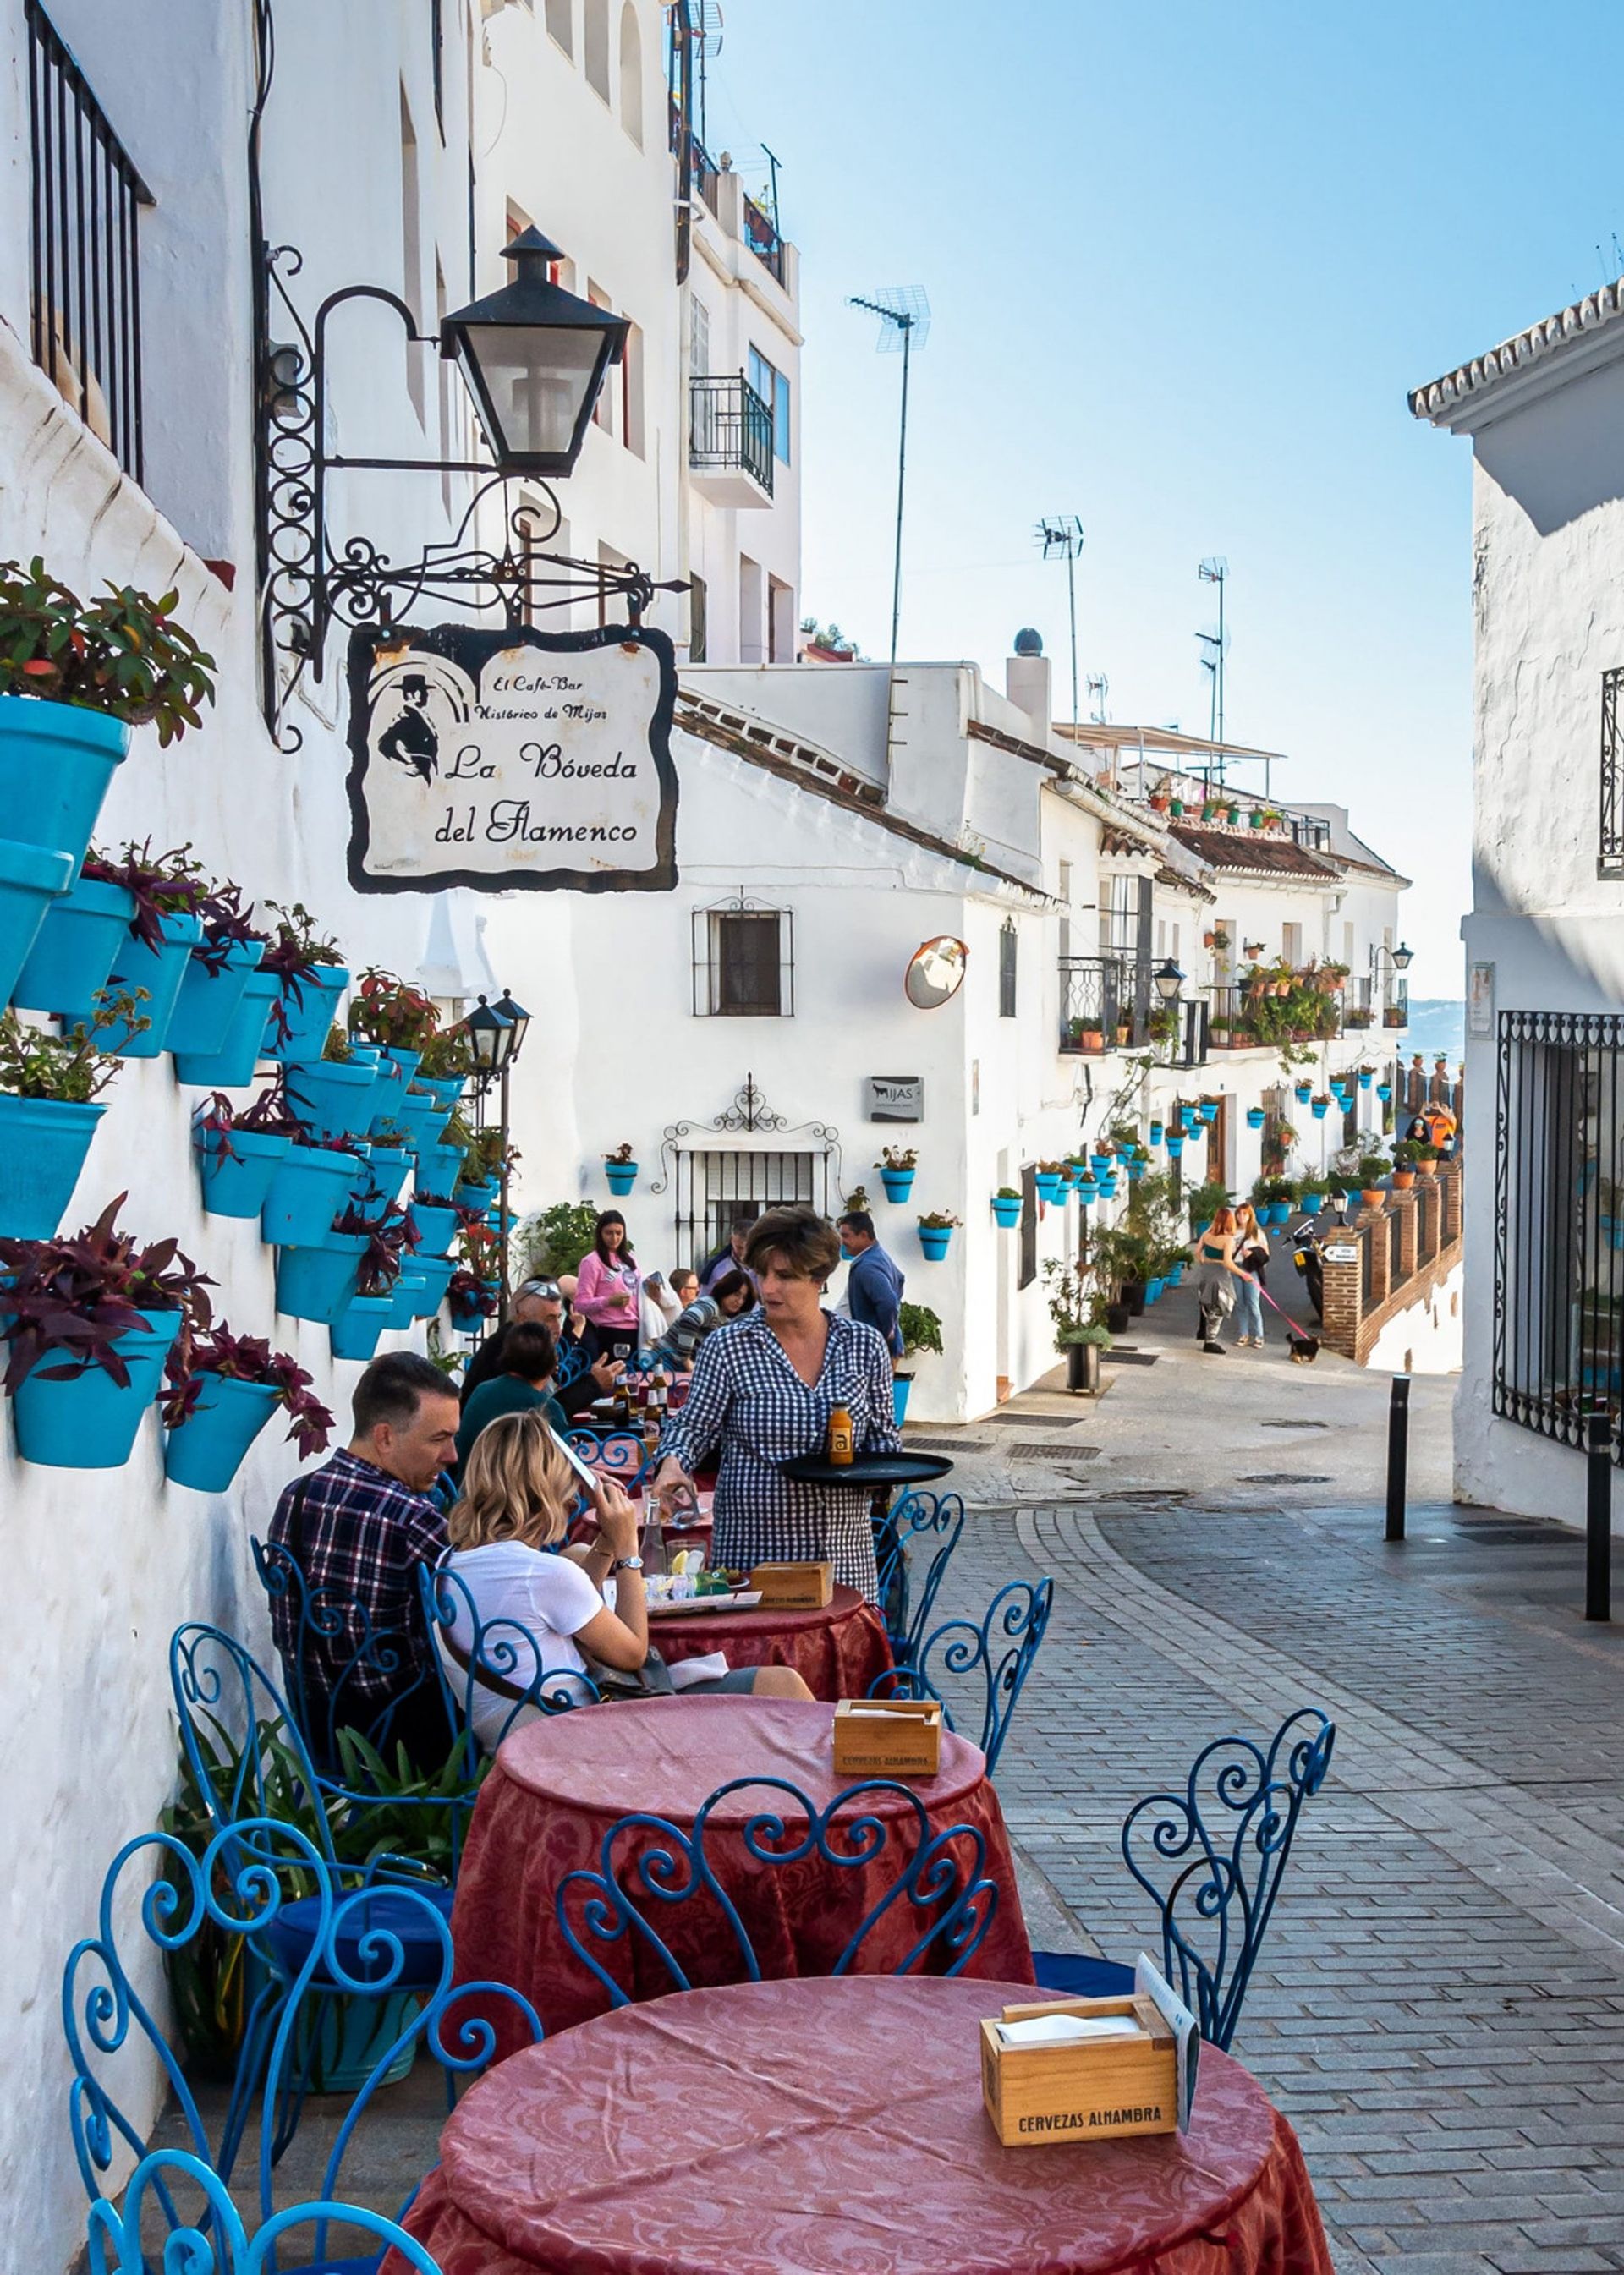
[
  {"x": 795, "y": 1587},
  {"x": 1042, "y": 2096},
  {"x": 888, "y": 1737}
]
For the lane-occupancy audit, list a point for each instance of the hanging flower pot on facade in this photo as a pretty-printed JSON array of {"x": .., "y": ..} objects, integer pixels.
[
  {"x": 471, "y": 1310},
  {"x": 43, "y": 1142},
  {"x": 478, "y": 1193},
  {"x": 57, "y": 762},
  {"x": 71, "y": 955},
  {"x": 934, "y": 1240},
  {"x": 334, "y": 1096},
  {"x": 319, "y": 1283},
  {"x": 431, "y": 1275},
  {"x": 447, "y": 1090},
  {"x": 1156, "y": 1128},
  {"x": 1302, "y": 1092},
  {"x": 1384, "y": 1091},
  {"x": 208, "y": 1448},
  {"x": 1107, "y": 1188},
  {"x": 86, "y": 1420},
  {"x": 1050, "y": 1190},
  {"x": 1366, "y": 1078},
  {"x": 622, "y": 1175},
  {"x": 211, "y": 1000},
  {"x": 307, "y": 1007},
  {"x": 1006, "y": 1210},
  {"x": 308, "y": 1187},
  {"x": 389, "y": 1166},
  {"x": 1319, "y": 1107},
  {"x": 435, "y": 1227},
  {"x": 32, "y": 878},
  {"x": 231, "y": 1066},
  {"x": 420, "y": 1116},
  {"x": 354, "y": 1334},
  {"x": 237, "y": 1168},
  {"x": 438, "y": 1167},
  {"x": 1175, "y": 1148},
  {"x": 1254, "y": 1117},
  {"x": 159, "y": 971},
  {"x": 898, "y": 1183},
  {"x": 1088, "y": 1189}
]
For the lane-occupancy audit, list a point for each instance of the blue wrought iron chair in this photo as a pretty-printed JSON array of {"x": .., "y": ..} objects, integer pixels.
[
  {"x": 363, "y": 1943},
  {"x": 216, "y": 2242},
  {"x": 1215, "y": 1908},
  {"x": 618, "y": 1454},
  {"x": 997, "y": 1652},
  {"x": 485, "y": 1663},
  {"x": 414, "y": 1710},
  {"x": 941, "y": 1886},
  {"x": 571, "y": 1363},
  {"x": 917, "y": 1521}
]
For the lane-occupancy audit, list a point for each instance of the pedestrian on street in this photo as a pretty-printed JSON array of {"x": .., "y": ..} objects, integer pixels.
[
  {"x": 1252, "y": 1256},
  {"x": 875, "y": 1284},
  {"x": 1216, "y": 1275}
]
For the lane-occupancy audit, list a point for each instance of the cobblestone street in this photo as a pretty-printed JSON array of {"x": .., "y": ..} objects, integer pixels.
[{"x": 1439, "y": 2008}]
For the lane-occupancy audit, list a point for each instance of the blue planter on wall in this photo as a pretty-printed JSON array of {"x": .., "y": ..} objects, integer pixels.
[
  {"x": 207, "y": 1449},
  {"x": 88, "y": 1421},
  {"x": 1365, "y": 1079},
  {"x": 308, "y": 1009},
  {"x": 483, "y": 1193},
  {"x": 334, "y": 1096},
  {"x": 231, "y": 1066},
  {"x": 1050, "y": 1188},
  {"x": 432, "y": 1275},
  {"x": 56, "y": 764},
  {"x": 408, "y": 1294},
  {"x": 622, "y": 1175},
  {"x": 310, "y": 1187},
  {"x": 209, "y": 1000},
  {"x": 435, "y": 1229},
  {"x": 354, "y": 1334},
  {"x": 236, "y": 1169},
  {"x": 900, "y": 1385},
  {"x": 1254, "y": 1117},
  {"x": 447, "y": 1089},
  {"x": 388, "y": 1169},
  {"x": 43, "y": 1142},
  {"x": 81, "y": 935},
  {"x": 933, "y": 1239},
  {"x": 159, "y": 971},
  {"x": 319, "y": 1283},
  {"x": 423, "y": 1118},
  {"x": 1008, "y": 1213},
  {"x": 898, "y": 1183},
  {"x": 438, "y": 1167},
  {"x": 30, "y": 877}
]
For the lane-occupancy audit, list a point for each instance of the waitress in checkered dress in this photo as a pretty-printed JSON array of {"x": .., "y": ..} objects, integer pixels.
[{"x": 764, "y": 1388}]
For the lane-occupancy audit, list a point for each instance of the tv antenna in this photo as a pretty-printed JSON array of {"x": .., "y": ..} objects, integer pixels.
[
  {"x": 1098, "y": 687},
  {"x": 904, "y": 316},
  {"x": 1061, "y": 536},
  {"x": 1214, "y": 571}
]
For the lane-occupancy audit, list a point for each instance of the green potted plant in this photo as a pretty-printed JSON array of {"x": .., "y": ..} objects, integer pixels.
[
  {"x": 239, "y": 1150},
  {"x": 397, "y": 1020},
  {"x": 168, "y": 892},
  {"x": 555, "y": 1239},
  {"x": 897, "y": 1165},
  {"x": 75, "y": 677},
  {"x": 936, "y": 1229},
  {"x": 1085, "y": 1035},
  {"x": 1372, "y": 1168},
  {"x": 223, "y": 1390},
  {"x": 1077, "y": 1332},
  {"x": 921, "y": 1331},
  {"x": 48, "y": 1088},
  {"x": 1008, "y": 1202}
]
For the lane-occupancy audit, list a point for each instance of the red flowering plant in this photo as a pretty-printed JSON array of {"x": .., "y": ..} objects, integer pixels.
[
  {"x": 75, "y": 1297},
  {"x": 122, "y": 654},
  {"x": 390, "y": 1238},
  {"x": 473, "y": 1285},
  {"x": 387, "y": 1012},
  {"x": 246, "y": 1358}
]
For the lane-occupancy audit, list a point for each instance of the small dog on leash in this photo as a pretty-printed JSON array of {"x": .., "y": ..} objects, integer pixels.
[{"x": 1303, "y": 1350}]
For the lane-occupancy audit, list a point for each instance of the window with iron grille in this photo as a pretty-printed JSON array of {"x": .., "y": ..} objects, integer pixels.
[
  {"x": 744, "y": 962},
  {"x": 1559, "y": 1228},
  {"x": 1008, "y": 947},
  {"x": 1609, "y": 856}
]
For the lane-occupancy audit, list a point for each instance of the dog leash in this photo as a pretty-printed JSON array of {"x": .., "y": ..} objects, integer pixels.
[{"x": 1294, "y": 1332}]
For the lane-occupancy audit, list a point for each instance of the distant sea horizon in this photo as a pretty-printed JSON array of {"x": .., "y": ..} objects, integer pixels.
[{"x": 1437, "y": 1023}]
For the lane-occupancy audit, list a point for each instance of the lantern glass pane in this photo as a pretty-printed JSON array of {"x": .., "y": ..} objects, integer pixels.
[{"x": 536, "y": 380}]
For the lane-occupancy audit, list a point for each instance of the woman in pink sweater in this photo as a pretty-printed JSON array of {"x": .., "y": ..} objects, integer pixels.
[{"x": 608, "y": 1289}]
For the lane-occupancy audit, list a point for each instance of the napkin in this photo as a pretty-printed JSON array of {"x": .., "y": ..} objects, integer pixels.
[{"x": 1066, "y": 2029}]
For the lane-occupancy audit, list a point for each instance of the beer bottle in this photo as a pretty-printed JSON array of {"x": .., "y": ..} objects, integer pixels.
[{"x": 842, "y": 1438}]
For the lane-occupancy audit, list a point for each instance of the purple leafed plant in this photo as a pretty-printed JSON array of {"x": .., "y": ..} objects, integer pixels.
[
  {"x": 246, "y": 1358},
  {"x": 162, "y": 885},
  {"x": 76, "y": 1298},
  {"x": 467, "y": 1291},
  {"x": 389, "y": 1235},
  {"x": 268, "y": 1116}
]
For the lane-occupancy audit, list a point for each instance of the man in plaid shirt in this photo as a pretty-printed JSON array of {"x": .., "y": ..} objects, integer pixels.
[{"x": 358, "y": 1529}]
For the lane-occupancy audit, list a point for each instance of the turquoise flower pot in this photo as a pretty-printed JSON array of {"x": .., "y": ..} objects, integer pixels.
[
  {"x": 231, "y": 1066},
  {"x": 1254, "y": 1117},
  {"x": 1175, "y": 1146},
  {"x": 74, "y": 953},
  {"x": 624, "y": 1174},
  {"x": 432, "y": 1275},
  {"x": 1320, "y": 1107},
  {"x": 161, "y": 971},
  {"x": 237, "y": 1174},
  {"x": 1156, "y": 1128},
  {"x": 1088, "y": 1190},
  {"x": 402, "y": 1066},
  {"x": 319, "y": 1283},
  {"x": 209, "y": 1000},
  {"x": 43, "y": 1142},
  {"x": 388, "y": 1170},
  {"x": 1008, "y": 1213},
  {"x": 1384, "y": 1091},
  {"x": 435, "y": 1229},
  {"x": 32, "y": 877},
  {"x": 423, "y": 1118},
  {"x": 88, "y": 1421},
  {"x": 334, "y": 1096},
  {"x": 309, "y": 1009},
  {"x": 900, "y": 1385},
  {"x": 482, "y": 1195},
  {"x": 1050, "y": 1188},
  {"x": 447, "y": 1089},
  {"x": 438, "y": 1167},
  {"x": 1312, "y": 1204},
  {"x": 933, "y": 1239},
  {"x": 309, "y": 1187},
  {"x": 208, "y": 1448},
  {"x": 1302, "y": 1092},
  {"x": 467, "y": 1319},
  {"x": 56, "y": 764},
  {"x": 898, "y": 1183},
  {"x": 354, "y": 1334},
  {"x": 408, "y": 1294},
  {"x": 1365, "y": 1080}
]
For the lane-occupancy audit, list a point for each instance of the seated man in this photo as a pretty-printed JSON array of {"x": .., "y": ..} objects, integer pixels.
[
  {"x": 358, "y": 1529},
  {"x": 528, "y": 1357},
  {"x": 541, "y": 1303}
]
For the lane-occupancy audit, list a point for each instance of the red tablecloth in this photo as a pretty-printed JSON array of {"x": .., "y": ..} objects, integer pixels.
[
  {"x": 838, "y": 1653},
  {"x": 836, "y": 2129},
  {"x": 556, "y": 1786}
]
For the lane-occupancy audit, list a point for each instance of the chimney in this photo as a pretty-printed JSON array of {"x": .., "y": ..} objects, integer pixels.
[{"x": 1026, "y": 679}]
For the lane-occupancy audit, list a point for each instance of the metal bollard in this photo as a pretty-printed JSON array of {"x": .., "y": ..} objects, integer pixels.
[
  {"x": 1397, "y": 1455},
  {"x": 1599, "y": 1515}
]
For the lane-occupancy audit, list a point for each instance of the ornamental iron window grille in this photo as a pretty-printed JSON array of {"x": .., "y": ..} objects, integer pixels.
[
  {"x": 714, "y": 1181},
  {"x": 1558, "y": 1220},
  {"x": 1008, "y": 950},
  {"x": 743, "y": 961},
  {"x": 1610, "y": 859},
  {"x": 85, "y": 200},
  {"x": 1028, "y": 1271}
]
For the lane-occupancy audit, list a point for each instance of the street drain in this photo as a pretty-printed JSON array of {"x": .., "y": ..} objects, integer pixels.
[
  {"x": 1283, "y": 1477},
  {"x": 1061, "y": 1450}
]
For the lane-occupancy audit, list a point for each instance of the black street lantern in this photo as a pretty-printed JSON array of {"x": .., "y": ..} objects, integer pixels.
[
  {"x": 1403, "y": 957},
  {"x": 492, "y": 1038},
  {"x": 534, "y": 358},
  {"x": 1168, "y": 979},
  {"x": 518, "y": 1019}
]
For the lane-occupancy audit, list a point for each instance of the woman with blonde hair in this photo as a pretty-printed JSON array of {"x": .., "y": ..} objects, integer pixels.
[
  {"x": 518, "y": 1491},
  {"x": 1251, "y": 1259}
]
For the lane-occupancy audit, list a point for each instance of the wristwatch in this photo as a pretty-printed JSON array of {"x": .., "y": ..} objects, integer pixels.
[{"x": 626, "y": 1564}]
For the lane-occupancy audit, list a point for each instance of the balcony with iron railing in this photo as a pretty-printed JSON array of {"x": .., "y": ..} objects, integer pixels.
[
  {"x": 1099, "y": 1004},
  {"x": 1265, "y": 1013},
  {"x": 729, "y": 440}
]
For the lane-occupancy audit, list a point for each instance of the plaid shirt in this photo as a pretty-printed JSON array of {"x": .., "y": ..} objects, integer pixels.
[{"x": 358, "y": 1536}]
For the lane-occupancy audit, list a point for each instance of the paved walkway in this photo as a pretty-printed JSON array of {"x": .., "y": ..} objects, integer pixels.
[{"x": 1440, "y": 2007}]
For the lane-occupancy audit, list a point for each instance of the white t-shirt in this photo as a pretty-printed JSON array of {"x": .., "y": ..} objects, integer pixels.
[{"x": 530, "y": 1605}]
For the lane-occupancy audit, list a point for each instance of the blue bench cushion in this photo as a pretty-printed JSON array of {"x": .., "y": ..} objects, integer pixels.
[{"x": 299, "y": 1924}]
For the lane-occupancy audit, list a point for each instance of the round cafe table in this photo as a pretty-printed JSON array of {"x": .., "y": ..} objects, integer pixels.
[
  {"x": 836, "y": 2128},
  {"x": 557, "y": 1786},
  {"x": 839, "y": 1653}
]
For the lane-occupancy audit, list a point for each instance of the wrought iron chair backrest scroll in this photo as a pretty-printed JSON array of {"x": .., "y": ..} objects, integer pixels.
[
  {"x": 645, "y": 1863},
  {"x": 618, "y": 1454},
  {"x": 220, "y": 1917},
  {"x": 920, "y": 1524},
  {"x": 571, "y": 1363},
  {"x": 216, "y": 2242},
  {"x": 1234, "y": 1823},
  {"x": 506, "y": 1668},
  {"x": 993, "y": 1656},
  {"x": 324, "y": 1703}
]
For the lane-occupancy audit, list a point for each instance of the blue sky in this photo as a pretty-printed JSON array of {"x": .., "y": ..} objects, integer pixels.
[{"x": 1183, "y": 265}]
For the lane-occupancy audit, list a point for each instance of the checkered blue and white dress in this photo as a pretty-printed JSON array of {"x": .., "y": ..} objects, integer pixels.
[{"x": 748, "y": 1403}]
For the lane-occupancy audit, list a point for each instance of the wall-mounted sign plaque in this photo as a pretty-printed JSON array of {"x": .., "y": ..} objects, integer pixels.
[
  {"x": 895, "y": 1098},
  {"x": 511, "y": 760}
]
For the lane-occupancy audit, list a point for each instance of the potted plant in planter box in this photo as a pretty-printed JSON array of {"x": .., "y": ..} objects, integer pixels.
[
  {"x": 238, "y": 1153},
  {"x": 446, "y": 1064},
  {"x": 311, "y": 976},
  {"x": 1372, "y": 1168},
  {"x": 399, "y": 1020},
  {"x": 1008, "y": 1202},
  {"x": 75, "y": 677},
  {"x": 216, "y": 979},
  {"x": 897, "y": 1165},
  {"x": 223, "y": 1390},
  {"x": 921, "y": 1331},
  {"x": 1085, "y": 1035},
  {"x": 309, "y": 1186},
  {"x": 336, "y": 1091},
  {"x": 168, "y": 892},
  {"x": 1076, "y": 1331},
  {"x": 620, "y": 1168},
  {"x": 936, "y": 1229},
  {"x": 360, "y": 1253},
  {"x": 48, "y": 1087},
  {"x": 89, "y": 1321}
]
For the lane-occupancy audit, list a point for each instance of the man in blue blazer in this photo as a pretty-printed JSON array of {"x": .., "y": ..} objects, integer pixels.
[{"x": 875, "y": 1284}]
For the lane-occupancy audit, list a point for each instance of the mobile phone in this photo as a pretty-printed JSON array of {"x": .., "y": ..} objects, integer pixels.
[{"x": 583, "y": 1468}]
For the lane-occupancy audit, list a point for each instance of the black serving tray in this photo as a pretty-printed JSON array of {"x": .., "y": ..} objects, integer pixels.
[{"x": 867, "y": 1469}]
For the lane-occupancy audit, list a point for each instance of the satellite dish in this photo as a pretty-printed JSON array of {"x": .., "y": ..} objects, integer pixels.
[{"x": 935, "y": 972}]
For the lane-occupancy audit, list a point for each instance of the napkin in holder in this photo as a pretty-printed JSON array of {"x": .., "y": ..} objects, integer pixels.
[
  {"x": 807, "y": 1587},
  {"x": 1065, "y": 2070},
  {"x": 888, "y": 1737}
]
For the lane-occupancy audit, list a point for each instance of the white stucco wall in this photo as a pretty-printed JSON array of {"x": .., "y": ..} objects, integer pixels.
[{"x": 1425, "y": 1338}]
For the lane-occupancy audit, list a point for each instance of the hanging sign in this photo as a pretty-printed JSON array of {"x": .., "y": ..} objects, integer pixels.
[{"x": 512, "y": 759}]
